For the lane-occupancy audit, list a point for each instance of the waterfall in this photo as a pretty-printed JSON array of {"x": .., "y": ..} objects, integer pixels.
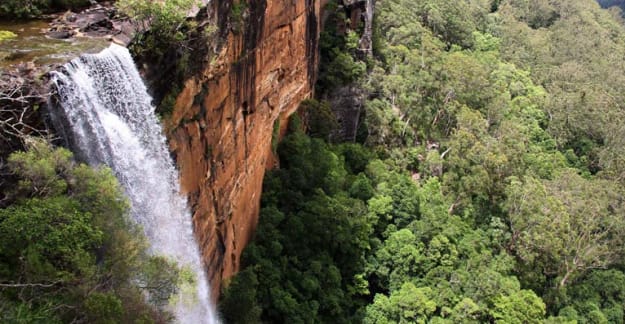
[{"x": 107, "y": 117}]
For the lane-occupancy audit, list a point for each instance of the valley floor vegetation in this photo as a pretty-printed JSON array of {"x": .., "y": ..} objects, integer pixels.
[{"x": 485, "y": 183}]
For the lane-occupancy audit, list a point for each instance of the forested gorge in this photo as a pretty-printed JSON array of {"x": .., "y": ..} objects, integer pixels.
[{"x": 485, "y": 183}]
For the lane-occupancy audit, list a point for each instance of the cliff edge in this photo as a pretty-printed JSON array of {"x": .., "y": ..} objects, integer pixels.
[{"x": 222, "y": 124}]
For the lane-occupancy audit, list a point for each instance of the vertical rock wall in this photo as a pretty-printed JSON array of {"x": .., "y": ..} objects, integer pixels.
[{"x": 221, "y": 128}]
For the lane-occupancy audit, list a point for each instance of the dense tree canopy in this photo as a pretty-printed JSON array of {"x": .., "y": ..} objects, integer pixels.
[
  {"x": 68, "y": 251},
  {"x": 488, "y": 187},
  {"x": 485, "y": 183}
]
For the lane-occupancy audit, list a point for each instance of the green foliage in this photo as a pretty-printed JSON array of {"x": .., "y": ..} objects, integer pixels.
[
  {"x": 237, "y": 15},
  {"x": 307, "y": 248},
  {"x": 319, "y": 118},
  {"x": 343, "y": 69},
  {"x": 104, "y": 308},
  {"x": 422, "y": 263},
  {"x": 519, "y": 308},
  {"x": 164, "y": 17},
  {"x": 40, "y": 170},
  {"x": 408, "y": 305},
  {"x": 401, "y": 257},
  {"x": 238, "y": 303},
  {"x": 164, "y": 20},
  {"x": 68, "y": 252},
  {"x": 6, "y": 35},
  {"x": 536, "y": 14},
  {"x": 489, "y": 187},
  {"x": 237, "y": 10},
  {"x": 34, "y": 8},
  {"x": 585, "y": 95},
  {"x": 20, "y": 8},
  {"x": 571, "y": 223},
  {"x": 163, "y": 40},
  {"x": 275, "y": 136},
  {"x": 598, "y": 297},
  {"x": 339, "y": 64},
  {"x": 159, "y": 278},
  {"x": 167, "y": 105}
]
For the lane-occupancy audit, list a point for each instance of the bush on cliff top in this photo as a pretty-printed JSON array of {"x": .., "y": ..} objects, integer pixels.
[
  {"x": 161, "y": 17},
  {"x": 34, "y": 8}
]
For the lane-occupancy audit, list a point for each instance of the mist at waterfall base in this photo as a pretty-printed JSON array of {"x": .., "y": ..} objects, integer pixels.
[{"x": 106, "y": 115}]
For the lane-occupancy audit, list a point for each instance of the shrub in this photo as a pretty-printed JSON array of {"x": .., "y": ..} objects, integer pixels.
[
  {"x": 34, "y": 8},
  {"x": 161, "y": 17}
]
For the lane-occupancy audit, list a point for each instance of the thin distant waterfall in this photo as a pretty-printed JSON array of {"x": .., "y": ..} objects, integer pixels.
[{"x": 107, "y": 116}]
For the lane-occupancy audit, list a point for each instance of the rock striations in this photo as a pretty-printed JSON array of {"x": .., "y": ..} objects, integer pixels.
[{"x": 221, "y": 127}]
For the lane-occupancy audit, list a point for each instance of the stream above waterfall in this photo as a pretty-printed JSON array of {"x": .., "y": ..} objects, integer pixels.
[{"x": 32, "y": 45}]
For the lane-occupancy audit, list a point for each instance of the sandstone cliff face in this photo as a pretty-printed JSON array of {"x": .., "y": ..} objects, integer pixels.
[{"x": 221, "y": 128}]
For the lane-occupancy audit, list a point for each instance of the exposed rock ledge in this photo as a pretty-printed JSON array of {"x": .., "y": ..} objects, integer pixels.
[
  {"x": 221, "y": 128},
  {"x": 101, "y": 20}
]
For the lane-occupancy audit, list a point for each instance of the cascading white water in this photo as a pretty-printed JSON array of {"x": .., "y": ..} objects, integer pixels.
[{"x": 108, "y": 117}]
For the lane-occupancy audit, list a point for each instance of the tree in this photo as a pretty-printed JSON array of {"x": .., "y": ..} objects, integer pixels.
[
  {"x": 401, "y": 257},
  {"x": 522, "y": 307},
  {"x": 597, "y": 226},
  {"x": 319, "y": 118},
  {"x": 600, "y": 291},
  {"x": 538, "y": 221},
  {"x": 406, "y": 305},
  {"x": 238, "y": 303},
  {"x": 310, "y": 240},
  {"x": 573, "y": 223},
  {"x": 163, "y": 17},
  {"x": 69, "y": 252}
]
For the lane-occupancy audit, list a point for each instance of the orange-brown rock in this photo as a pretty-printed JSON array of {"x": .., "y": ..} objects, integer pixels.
[{"x": 222, "y": 124}]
